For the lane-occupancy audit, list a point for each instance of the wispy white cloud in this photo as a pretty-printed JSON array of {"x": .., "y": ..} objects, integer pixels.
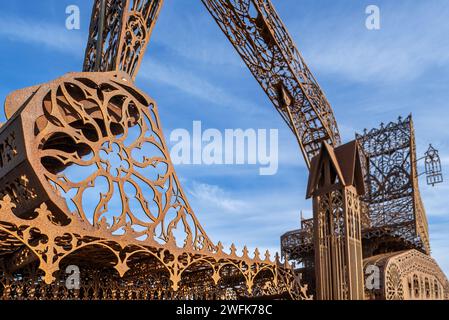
[
  {"x": 188, "y": 82},
  {"x": 51, "y": 36},
  {"x": 214, "y": 196}
]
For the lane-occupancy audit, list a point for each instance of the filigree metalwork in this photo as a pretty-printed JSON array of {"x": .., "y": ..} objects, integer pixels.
[
  {"x": 260, "y": 38},
  {"x": 127, "y": 29},
  {"x": 408, "y": 275},
  {"x": 432, "y": 163},
  {"x": 86, "y": 178},
  {"x": 297, "y": 243},
  {"x": 394, "y": 202},
  {"x": 393, "y": 284},
  {"x": 335, "y": 184},
  {"x": 99, "y": 185},
  {"x": 392, "y": 212},
  {"x": 128, "y": 268},
  {"x": 99, "y": 155},
  {"x": 262, "y": 41}
]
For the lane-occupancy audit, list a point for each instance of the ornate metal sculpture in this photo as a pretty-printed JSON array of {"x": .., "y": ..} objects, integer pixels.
[
  {"x": 393, "y": 198},
  {"x": 89, "y": 179},
  {"x": 433, "y": 167},
  {"x": 262, "y": 41},
  {"x": 393, "y": 219},
  {"x": 86, "y": 178},
  {"x": 120, "y": 31},
  {"x": 336, "y": 183},
  {"x": 96, "y": 141},
  {"x": 409, "y": 275}
]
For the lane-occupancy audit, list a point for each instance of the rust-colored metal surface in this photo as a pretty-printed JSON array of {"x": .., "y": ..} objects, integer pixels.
[
  {"x": 120, "y": 267},
  {"x": 393, "y": 215},
  {"x": 86, "y": 179},
  {"x": 89, "y": 182},
  {"x": 336, "y": 184},
  {"x": 91, "y": 143},
  {"x": 394, "y": 202},
  {"x": 408, "y": 275},
  {"x": 119, "y": 34},
  {"x": 259, "y": 36}
]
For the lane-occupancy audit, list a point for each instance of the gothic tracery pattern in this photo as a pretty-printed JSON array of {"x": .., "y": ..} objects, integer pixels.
[{"x": 108, "y": 192}]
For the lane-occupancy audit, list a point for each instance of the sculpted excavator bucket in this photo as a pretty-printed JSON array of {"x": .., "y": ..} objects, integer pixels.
[{"x": 87, "y": 180}]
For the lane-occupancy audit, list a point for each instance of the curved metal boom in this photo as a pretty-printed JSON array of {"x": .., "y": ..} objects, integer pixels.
[{"x": 261, "y": 39}]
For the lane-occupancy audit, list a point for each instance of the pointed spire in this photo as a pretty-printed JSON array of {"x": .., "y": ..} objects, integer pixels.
[
  {"x": 219, "y": 247},
  {"x": 267, "y": 256},
  {"x": 245, "y": 252},
  {"x": 257, "y": 254},
  {"x": 233, "y": 249},
  {"x": 277, "y": 259}
]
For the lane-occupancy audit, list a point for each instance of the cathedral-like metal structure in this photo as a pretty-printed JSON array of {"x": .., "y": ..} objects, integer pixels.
[
  {"x": 86, "y": 180},
  {"x": 393, "y": 219}
]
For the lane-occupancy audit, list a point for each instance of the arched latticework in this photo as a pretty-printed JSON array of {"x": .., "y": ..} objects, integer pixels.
[
  {"x": 407, "y": 275},
  {"x": 126, "y": 269}
]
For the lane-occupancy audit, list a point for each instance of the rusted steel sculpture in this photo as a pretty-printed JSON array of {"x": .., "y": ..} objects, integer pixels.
[
  {"x": 89, "y": 182},
  {"x": 393, "y": 217},
  {"x": 433, "y": 171},
  {"x": 394, "y": 202},
  {"x": 67, "y": 136},
  {"x": 86, "y": 179},
  {"x": 259, "y": 36},
  {"x": 120, "y": 31},
  {"x": 407, "y": 275}
]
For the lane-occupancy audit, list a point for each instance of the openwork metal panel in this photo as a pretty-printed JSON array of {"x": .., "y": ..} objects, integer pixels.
[
  {"x": 338, "y": 246},
  {"x": 335, "y": 184},
  {"x": 261, "y": 39},
  {"x": 393, "y": 198},
  {"x": 119, "y": 268},
  {"x": 120, "y": 31},
  {"x": 297, "y": 243},
  {"x": 91, "y": 146},
  {"x": 432, "y": 160},
  {"x": 392, "y": 208},
  {"x": 408, "y": 275},
  {"x": 86, "y": 179}
]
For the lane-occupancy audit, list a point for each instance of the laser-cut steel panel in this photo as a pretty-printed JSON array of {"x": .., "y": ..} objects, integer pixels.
[
  {"x": 394, "y": 202},
  {"x": 121, "y": 34},
  {"x": 259, "y": 36}
]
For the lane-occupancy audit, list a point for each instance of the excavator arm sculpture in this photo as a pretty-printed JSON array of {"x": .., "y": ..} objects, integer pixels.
[
  {"x": 86, "y": 179},
  {"x": 96, "y": 131}
]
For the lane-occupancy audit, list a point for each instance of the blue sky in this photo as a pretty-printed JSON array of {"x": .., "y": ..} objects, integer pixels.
[{"x": 193, "y": 73}]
